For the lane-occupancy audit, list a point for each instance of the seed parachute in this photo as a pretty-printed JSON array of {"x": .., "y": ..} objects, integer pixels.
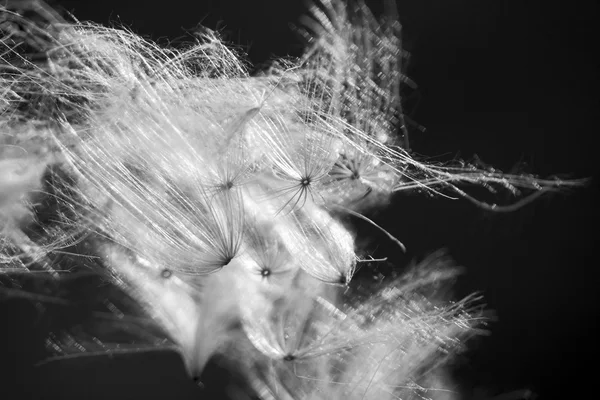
[{"x": 214, "y": 203}]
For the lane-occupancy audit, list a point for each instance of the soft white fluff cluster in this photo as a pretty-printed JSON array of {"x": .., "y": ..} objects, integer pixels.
[{"x": 214, "y": 199}]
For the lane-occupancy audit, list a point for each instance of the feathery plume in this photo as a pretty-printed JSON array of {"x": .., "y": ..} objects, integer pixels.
[{"x": 211, "y": 198}]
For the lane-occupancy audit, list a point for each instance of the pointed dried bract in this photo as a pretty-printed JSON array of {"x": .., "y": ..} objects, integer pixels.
[{"x": 197, "y": 316}]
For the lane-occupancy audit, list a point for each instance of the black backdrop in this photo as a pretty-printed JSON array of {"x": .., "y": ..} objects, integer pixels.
[{"x": 508, "y": 80}]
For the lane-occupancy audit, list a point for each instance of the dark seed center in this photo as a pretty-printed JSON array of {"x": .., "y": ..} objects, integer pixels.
[{"x": 265, "y": 272}]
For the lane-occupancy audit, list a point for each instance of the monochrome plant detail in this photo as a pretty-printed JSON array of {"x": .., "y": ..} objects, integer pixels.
[{"x": 215, "y": 201}]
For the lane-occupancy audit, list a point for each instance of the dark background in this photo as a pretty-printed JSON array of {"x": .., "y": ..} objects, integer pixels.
[{"x": 508, "y": 80}]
